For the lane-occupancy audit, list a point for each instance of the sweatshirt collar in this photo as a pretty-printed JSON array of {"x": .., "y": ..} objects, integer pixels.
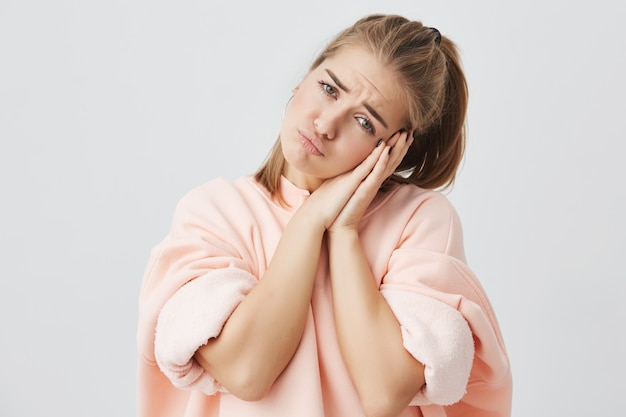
[{"x": 293, "y": 195}]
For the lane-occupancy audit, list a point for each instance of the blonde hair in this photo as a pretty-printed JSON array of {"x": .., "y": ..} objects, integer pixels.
[{"x": 428, "y": 67}]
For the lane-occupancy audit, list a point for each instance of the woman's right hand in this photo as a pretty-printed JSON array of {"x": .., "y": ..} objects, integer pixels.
[{"x": 325, "y": 203}]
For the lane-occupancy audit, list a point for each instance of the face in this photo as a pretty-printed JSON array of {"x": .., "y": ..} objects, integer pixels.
[{"x": 338, "y": 113}]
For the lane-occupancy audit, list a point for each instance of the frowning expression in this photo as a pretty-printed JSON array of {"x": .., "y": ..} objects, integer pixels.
[{"x": 338, "y": 113}]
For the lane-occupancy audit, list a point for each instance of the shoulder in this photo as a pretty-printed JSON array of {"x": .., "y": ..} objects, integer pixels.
[
  {"x": 427, "y": 218},
  {"x": 222, "y": 193},
  {"x": 219, "y": 200},
  {"x": 412, "y": 201}
]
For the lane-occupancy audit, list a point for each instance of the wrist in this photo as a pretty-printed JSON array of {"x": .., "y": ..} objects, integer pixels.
[
  {"x": 344, "y": 232},
  {"x": 307, "y": 218}
]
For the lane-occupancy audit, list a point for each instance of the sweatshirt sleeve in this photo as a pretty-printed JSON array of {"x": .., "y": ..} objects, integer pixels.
[
  {"x": 195, "y": 278},
  {"x": 446, "y": 320},
  {"x": 439, "y": 337}
]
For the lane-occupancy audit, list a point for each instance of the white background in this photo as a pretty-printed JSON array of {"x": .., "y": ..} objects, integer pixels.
[{"x": 110, "y": 111}]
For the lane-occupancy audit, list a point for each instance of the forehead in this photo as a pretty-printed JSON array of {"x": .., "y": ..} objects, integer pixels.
[{"x": 363, "y": 73}]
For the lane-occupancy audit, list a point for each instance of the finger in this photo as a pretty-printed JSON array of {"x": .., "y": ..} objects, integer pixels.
[
  {"x": 400, "y": 138},
  {"x": 400, "y": 149},
  {"x": 378, "y": 171},
  {"x": 392, "y": 154},
  {"x": 368, "y": 164},
  {"x": 403, "y": 138},
  {"x": 364, "y": 169},
  {"x": 395, "y": 138}
]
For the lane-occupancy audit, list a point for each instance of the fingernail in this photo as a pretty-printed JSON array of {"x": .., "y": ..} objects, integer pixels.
[{"x": 379, "y": 142}]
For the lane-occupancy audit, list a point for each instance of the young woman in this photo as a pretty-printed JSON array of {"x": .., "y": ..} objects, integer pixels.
[{"x": 333, "y": 282}]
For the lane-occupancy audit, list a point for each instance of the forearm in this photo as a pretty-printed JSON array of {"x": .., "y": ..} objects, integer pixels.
[
  {"x": 261, "y": 336},
  {"x": 385, "y": 375}
]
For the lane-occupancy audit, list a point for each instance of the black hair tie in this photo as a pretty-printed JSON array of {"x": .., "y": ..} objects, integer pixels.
[{"x": 437, "y": 36}]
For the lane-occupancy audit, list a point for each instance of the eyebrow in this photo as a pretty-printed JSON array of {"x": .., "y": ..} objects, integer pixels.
[{"x": 369, "y": 108}]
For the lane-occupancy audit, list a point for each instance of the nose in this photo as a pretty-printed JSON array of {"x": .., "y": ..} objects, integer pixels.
[{"x": 326, "y": 124}]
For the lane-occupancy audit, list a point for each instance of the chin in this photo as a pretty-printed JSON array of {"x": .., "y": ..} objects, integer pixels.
[{"x": 304, "y": 167}]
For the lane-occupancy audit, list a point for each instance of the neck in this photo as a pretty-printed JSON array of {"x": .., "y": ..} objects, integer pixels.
[{"x": 302, "y": 180}]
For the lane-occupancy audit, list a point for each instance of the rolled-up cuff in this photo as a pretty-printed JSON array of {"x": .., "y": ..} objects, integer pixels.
[
  {"x": 438, "y": 336},
  {"x": 193, "y": 315}
]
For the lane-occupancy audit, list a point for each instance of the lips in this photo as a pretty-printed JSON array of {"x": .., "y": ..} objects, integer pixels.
[{"x": 310, "y": 143}]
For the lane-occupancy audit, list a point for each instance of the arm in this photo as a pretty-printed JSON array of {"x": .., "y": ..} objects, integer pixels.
[
  {"x": 385, "y": 375},
  {"x": 246, "y": 358}
]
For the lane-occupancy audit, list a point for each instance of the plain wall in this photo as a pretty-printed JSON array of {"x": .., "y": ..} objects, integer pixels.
[{"x": 111, "y": 111}]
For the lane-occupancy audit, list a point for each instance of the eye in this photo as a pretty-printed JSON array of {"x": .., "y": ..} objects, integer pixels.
[
  {"x": 366, "y": 124},
  {"x": 328, "y": 89}
]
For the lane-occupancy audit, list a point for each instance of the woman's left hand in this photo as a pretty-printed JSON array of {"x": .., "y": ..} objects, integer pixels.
[{"x": 395, "y": 149}]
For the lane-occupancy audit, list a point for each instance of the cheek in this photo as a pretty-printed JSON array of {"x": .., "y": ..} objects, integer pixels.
[
  {"x": 355, "y": 154},
  {"x": 305, "y": 99}
]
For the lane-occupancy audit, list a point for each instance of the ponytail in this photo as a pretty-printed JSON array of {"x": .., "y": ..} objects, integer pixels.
[{"x": 436, "y": 153}]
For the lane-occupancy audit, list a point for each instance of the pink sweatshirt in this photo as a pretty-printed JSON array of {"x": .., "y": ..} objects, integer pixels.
[{"x": 222, "y": 238}]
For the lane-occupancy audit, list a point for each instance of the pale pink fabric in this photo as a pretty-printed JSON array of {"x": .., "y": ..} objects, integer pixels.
[
  {"x": 438, "y": 336},
  {"x": 222, "y": 238},
  {"x": 193, "y": 315}
]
